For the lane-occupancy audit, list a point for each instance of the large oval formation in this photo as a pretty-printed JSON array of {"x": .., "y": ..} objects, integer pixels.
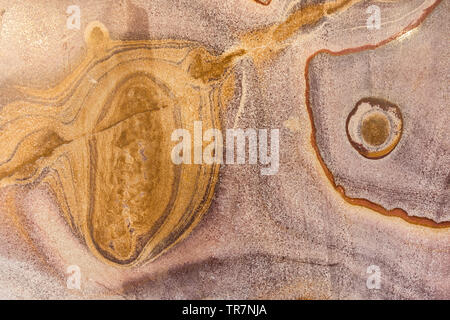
[{"x": 101, "y": 141}]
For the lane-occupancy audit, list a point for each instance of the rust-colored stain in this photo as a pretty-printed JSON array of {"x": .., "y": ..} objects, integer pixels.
[
  {"x": 101, "y": 140},
  {"x": 264, "y": 2}
]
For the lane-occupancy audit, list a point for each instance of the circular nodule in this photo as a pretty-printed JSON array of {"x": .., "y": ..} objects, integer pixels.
[{"x": 374, "y": 127}]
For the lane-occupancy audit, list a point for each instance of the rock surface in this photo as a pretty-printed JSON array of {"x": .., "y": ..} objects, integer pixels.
[{"x": 289, "y": 235}]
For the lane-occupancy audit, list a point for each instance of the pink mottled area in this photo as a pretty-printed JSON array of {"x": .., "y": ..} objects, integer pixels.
[{"x": 289, "y": 235}]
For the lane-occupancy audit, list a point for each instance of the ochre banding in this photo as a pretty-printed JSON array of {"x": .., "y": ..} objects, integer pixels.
[{"x": 101, "y": 141}]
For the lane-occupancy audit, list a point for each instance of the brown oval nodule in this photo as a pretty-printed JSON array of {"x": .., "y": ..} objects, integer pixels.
[
  {"x": 109, "y": 160},
  {"x": 374, "y": 127}
]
